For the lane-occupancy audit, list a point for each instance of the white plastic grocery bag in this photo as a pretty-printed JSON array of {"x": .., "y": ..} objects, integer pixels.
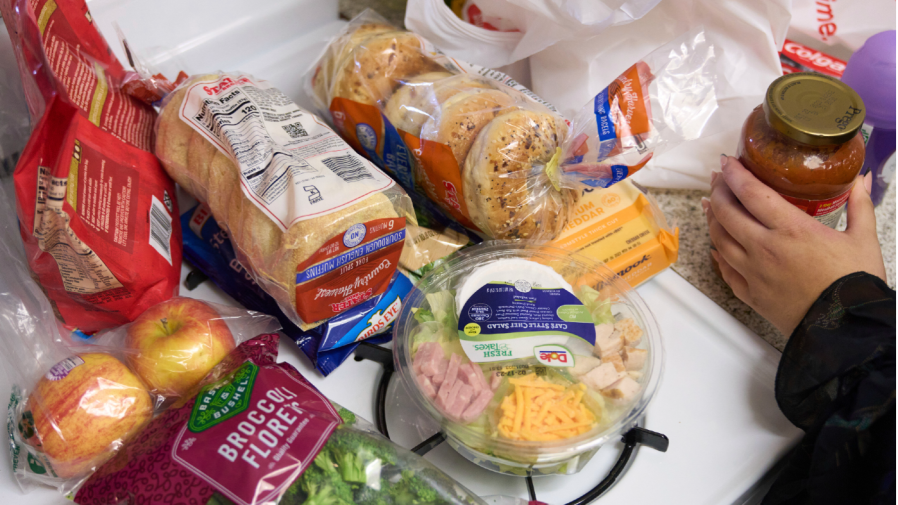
[
  {"x": 539, "y": 24},
  {"x": 747, "y": 35},
  {"x": 840, "y": 27}
]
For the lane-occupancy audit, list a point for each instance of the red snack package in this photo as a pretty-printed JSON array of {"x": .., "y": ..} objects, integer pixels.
[{"x": 97, "y": 213}]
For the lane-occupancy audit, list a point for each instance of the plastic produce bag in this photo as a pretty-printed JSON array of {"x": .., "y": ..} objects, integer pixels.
[
  {"x": 98, "y": 214},
  {"x": 500, "y": 32},
  {"x": 491, "y": 154},
  {"x": 207, "y": 247},
  {"x": 73, "y": 407},
  {"x": 746, "y": 35},
  {"x": 258, "y": 432},
  {"x": 318, "y": 227}
]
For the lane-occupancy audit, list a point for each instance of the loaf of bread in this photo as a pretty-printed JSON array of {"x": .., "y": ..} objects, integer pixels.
[{"x": 270, "y": 253}]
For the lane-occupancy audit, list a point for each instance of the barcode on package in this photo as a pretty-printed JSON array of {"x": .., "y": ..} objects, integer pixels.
[
  {"x": 160, "y": 229},
  {"x": 295, "y": 130},
  {"x": 349, "y": 168}
]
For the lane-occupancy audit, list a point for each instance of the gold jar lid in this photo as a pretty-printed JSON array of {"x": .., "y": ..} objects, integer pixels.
[{"x": 814, "y": 109}]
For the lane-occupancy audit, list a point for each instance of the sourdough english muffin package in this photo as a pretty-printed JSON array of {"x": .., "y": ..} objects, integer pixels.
[
  {"x": 491, "y": 154},
  {"x": 319, "y": 227},
  {"x": 97, "y": 214}
]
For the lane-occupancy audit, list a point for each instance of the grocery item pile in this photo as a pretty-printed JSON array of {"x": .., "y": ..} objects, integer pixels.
[{"x": 531, "y": 356}]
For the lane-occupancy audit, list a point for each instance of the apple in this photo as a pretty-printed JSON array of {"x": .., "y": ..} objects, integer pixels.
[
  {"x": 83, "y": 409},
  {"x": 174, "y": 344}
]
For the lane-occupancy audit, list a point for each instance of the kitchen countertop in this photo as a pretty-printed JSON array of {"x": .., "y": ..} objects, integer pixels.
[
  {"x": 684, "y": 208},
  {"x": 694, "y": 262}
]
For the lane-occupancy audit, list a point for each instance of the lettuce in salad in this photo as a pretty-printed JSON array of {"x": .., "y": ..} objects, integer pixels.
[{"x": 599, "y": 307}]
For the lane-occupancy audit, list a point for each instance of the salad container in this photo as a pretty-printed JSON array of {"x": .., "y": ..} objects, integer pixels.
[{"x": 529, "y": 357}]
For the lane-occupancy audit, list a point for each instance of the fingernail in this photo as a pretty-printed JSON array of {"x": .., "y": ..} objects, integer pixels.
[
  {"x": 868, "y": 182},
  {"x": 706, "y": 204},
  {"x": 714, "y": 175},
  {"x": 723, "y": 160}
]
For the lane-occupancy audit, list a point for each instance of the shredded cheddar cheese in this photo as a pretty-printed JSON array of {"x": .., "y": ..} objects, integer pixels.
[{"x": 541, "y": 411}]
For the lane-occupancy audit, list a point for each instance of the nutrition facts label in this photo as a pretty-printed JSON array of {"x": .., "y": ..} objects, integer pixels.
[
  {"x": 82, "y": 271},
  {"x": 292, "y": 166}
]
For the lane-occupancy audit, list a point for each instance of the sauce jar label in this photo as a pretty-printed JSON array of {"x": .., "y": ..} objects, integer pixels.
[{"x": 826, "y": 211}]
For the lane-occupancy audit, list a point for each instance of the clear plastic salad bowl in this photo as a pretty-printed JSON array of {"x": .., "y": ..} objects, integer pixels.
[{"x": 529, "y": 357}]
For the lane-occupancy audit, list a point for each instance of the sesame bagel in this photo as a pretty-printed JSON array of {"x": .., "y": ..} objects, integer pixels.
[
  {"x": 374, "y": 68},
  {"x": 506, "y": 189},
  {"x": 461, "y": 117}
]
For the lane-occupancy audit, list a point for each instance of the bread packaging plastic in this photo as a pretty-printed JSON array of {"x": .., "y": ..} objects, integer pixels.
[
  {"x": 491, "y": 154},
  {"x": 98, "y": 215},
  {"x": 318, "y": 226}
]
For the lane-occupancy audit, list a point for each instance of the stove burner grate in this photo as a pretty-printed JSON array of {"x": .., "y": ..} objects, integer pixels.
[{"x": 631, "y": 439}]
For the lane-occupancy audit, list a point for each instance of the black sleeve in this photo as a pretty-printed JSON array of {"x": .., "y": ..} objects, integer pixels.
[{"x": 836, "y": 381}]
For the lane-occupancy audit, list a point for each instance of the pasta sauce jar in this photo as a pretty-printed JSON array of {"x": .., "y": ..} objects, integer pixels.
[{"x": 804, "y": 141}]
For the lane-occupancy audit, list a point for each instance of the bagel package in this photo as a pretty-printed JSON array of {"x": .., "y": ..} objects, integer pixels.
[
  {"x": 491, "y": 154},
  {"x": 316, "y": 225}
]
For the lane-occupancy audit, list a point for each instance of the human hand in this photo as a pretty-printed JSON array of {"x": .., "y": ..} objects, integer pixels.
[{"x": 778, "y": 259}]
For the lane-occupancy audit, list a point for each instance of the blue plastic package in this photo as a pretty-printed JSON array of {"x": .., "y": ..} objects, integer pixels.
[{"x": 207, "y": 247}]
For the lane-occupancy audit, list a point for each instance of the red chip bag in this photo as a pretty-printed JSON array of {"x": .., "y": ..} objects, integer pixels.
[{"x": 97, "y": 213}]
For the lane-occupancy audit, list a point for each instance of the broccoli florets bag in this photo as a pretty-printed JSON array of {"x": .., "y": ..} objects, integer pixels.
[{"x": 258, "y": 432}]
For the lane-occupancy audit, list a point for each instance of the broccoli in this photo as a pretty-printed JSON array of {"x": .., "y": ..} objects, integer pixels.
[
  {"x": 321, "y": 487},
  {"x": 347, "y": 416}
]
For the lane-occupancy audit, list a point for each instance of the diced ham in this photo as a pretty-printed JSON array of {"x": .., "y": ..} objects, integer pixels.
[
  {"x": 630, "y": 332},
  {"x": 495, "y": 381},
  {"x": 601, "y": 376},
  {"x": 468, "y": 375},
  {"x": 438, "y": 378},
  {"x": 465, "y": 392},
  {"x": 432, "y": 363},
  {"x": 479, "y": 373},
  {"x": 609, "y": 343},
  {"x": 617, "y": 361},
  {"x": 477, "y": 406},
  {"x": 426, "y": 387},
  {"x": 583, "y": 364},
  {"x": 450, "y": 398},
  {"x": 622, "y": 391},
  {"x": 634, "y": 359},
  {"x": 451, "y": 374},
  {"x": 424, "y": 351}
]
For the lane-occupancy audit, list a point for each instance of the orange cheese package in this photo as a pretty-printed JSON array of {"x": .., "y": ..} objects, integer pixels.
[
  {"x": 98, "y": 215},
  {"x": 488, "y": 152},
  {"x": 622, "y": 227}
]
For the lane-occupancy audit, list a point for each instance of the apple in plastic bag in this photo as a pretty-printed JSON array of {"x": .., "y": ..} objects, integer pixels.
[
  {"x": 83, "y": 409},
  {"x": 174, "y": 344}
]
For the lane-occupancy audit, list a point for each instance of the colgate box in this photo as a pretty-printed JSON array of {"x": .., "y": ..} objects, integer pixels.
[{"x": 796, "y": 57}]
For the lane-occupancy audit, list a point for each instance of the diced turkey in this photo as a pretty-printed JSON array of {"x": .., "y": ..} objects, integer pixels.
[
  {"x": 615, "y": 360},
  {"x": 601, "y": 376},
  {"x": 629, "y": 331},
  {"x": 623, "y": 390},
  {"x": 583, "y": 364},
  {"x": 634, "y": 358},
  {"x": 608, "y": 343}
]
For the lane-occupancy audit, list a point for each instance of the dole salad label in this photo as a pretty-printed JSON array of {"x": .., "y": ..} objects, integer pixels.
[{"x": 518, "y": 320}]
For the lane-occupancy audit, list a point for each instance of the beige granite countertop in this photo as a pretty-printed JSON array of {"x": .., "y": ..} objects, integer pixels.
[
  {"x": 684, "y": 208},
  {"x": 694, "y": 263}
]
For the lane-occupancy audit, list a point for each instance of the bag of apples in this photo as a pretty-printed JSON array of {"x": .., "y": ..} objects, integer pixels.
[{"x": 74, "y": 407}]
